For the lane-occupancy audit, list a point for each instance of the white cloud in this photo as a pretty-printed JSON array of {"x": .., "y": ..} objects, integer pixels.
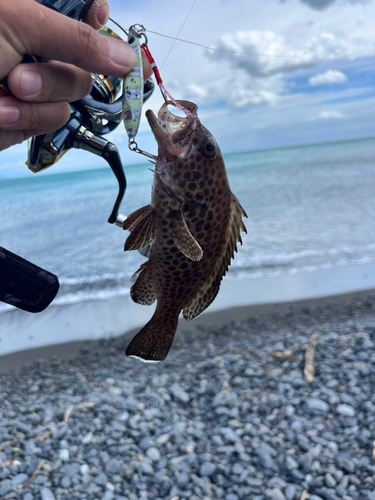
[
  {"x": 196, "y": 91},
  {"x": 245, "y": 91},
  {"x": 264, "y": 53},
  {"x": 238, "y": 90},
  {"x": 323, "y": 4},
  {"x": 328, "y": 78},
  {"x": 329, "y": 115}
]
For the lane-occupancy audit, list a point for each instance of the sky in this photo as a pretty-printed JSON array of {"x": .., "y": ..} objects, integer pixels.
[{"x": 283, "y": 73}]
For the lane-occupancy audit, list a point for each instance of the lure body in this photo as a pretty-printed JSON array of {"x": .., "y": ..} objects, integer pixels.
[{"x": 133, "y": 89}]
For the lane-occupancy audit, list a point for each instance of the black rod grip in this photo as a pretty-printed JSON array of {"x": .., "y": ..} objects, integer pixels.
[{"x": 25, "y": 285}]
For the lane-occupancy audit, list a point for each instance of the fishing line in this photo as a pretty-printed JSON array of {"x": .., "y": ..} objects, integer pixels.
[
  {"x": 218, "y": 50},
  {"x": 178, "y": 34},
  {"x": 117, "y": 24}
]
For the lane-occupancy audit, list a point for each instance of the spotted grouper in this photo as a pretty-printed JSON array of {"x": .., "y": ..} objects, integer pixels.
[{"x": 192, "y": 226}]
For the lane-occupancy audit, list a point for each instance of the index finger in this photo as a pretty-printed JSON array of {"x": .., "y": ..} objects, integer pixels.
[{"x": 40, "y": 31}]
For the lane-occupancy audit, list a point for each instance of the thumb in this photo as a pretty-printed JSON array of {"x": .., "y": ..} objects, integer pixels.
[{"x": 40, "y": 31}]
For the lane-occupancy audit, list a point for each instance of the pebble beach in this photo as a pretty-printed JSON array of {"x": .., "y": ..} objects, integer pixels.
[{"x": 228, "y": 415}]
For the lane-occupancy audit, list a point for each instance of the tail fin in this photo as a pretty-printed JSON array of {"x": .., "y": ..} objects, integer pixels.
[{"x": 155, "y": 339}]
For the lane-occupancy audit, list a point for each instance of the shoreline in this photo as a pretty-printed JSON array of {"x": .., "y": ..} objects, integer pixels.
[
  {"x": 85, "y": 322},
  {"x": 211, "y": 319}
]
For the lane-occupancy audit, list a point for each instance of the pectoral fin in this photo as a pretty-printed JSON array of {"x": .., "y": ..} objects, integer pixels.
[
  {"x": 183, "y": 238},
  {"x": 206, "y": 295},
  {"x": 141, "y": 225}
]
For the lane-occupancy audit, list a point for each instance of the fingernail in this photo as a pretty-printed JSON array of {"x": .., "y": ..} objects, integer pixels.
[
  {"x": 103, "y": 14},
  {"x": 9, "y": 115},
  {"x": 122, "y": 55},
  {"x": 31, "y": 83}
]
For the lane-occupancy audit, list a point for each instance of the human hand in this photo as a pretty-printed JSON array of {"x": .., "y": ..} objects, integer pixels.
[{"x": 41, "y": 92}]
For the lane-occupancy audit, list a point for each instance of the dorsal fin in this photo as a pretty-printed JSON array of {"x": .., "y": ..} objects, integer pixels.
[
  {"x": 183, "y": 238},
  {"x": 210, "y": 288},
  {"x": 141, "y": 225},
  {"x": 143, "y": 290}
]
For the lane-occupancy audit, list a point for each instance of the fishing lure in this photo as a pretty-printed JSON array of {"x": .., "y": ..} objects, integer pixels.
[{"x": 133, "y": 87}]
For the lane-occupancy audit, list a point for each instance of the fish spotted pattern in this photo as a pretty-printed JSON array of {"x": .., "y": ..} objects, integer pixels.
[{"x": 192, "y": 225}]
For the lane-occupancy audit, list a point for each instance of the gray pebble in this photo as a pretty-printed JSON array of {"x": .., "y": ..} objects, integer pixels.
[
  {"x": 253, "y": 481},
  {"x": 179, "y": 394},
  {"x": 330, "y": 481},
  {"x": 289, "y": 410},
  {"x": 64, "y": 455},
  {"x": 237, "y": 468},
  {"x": 147, "y": 468},
  {"x": 70, "y": 469},
  {"x": 290, "y": 463},
  {"x": 265, "y": 455},
  {"x": 290, "y": 492},
  {"x": 47, "y": 494},
  {"x": 207, "y": 469},
  {"x": 327, "y": 494},
  {"x": 65, "y": 482},
  {"x": 318, "y": 404},
  {"x": 25, "y": 429},
  {"x": 346, "y": 410},
  {"x": 108, "y": 495},
  {"x": 19, "y": 478},
  {"x": 275, "y": 494},
  {"x": 276, "y": 482},
  {"x": 153, "y": 453},
  {"x": 113, "y": 466},
  {"x": 229, "y": 435},
  {"x": 341, "y": 490},
  {"x": 84, "y": 469},
  {"x": 145, "y": 443},
  {"x": 183, "y": 480},
  {"x": 40, "y": 479},
  {"x": 101, "y": 479}
]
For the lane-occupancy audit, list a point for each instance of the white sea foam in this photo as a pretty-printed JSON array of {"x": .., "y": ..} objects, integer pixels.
[
  {"x": 83, "y": 280},
  {"x": 241, "y": 273}
]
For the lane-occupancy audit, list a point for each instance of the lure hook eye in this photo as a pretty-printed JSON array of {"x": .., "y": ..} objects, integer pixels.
[{"x": 139, "y": 31}]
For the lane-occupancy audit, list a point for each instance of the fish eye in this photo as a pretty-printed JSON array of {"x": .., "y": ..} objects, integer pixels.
[
  {"x": 131, "y": 40},
  {"x": 208, "y": 148}
]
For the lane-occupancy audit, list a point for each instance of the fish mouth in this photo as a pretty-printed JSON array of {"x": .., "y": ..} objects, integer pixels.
[{"x": 170, "y": 130}]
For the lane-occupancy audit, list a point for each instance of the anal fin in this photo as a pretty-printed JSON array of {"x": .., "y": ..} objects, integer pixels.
[
  {"x": 183, "y": 238},
  {"x": 141, "y": 225},
  {"x": 143, "y": 290}
]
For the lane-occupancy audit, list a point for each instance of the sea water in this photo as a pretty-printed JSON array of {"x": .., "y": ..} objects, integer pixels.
[{"x": 309, "y": 208}]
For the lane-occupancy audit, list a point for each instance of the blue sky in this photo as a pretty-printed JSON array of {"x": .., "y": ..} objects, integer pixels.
[{"x": 323, "y": 91}]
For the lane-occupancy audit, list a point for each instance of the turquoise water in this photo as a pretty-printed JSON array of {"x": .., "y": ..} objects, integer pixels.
[{"x": 309, "y": 208}]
